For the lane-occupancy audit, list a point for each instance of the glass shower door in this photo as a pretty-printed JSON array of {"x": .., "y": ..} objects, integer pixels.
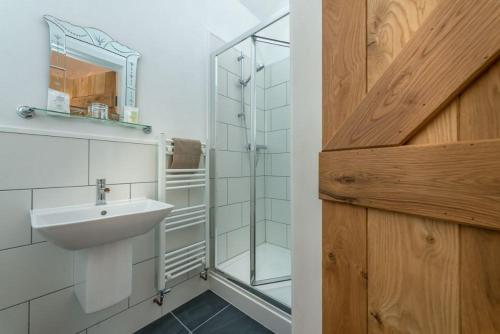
[{"x": 270, "y": 242}]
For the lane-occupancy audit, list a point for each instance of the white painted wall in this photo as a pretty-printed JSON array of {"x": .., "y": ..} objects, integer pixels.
[
  {"x": 306, "y": 143},
  {"x": 172, "y": 81}
]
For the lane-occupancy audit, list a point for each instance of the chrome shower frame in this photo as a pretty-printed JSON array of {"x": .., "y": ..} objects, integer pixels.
[{"x": 253, "y": 148}]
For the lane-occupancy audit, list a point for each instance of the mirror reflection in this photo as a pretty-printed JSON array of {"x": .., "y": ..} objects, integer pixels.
[{"x": 84, "y": 88}]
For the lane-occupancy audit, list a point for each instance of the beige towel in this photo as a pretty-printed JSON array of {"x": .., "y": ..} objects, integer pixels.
[{"x": 187, "y": 153}]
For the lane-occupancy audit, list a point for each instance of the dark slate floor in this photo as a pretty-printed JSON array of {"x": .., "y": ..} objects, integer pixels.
[{"x": 207, "y": 313}]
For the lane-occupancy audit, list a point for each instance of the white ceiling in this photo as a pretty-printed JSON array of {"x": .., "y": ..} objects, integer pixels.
[{"x": 262, "y": 9}]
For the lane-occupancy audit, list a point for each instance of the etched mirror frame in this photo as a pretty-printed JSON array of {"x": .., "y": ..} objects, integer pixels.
[{"x": 96, "y": 46}]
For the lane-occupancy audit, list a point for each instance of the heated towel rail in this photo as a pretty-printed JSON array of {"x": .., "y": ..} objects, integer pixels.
[{"x": 173, "y": 264}]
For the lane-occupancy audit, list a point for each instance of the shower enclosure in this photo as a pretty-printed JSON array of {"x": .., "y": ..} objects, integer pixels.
[{"x": 250, "y": 153}]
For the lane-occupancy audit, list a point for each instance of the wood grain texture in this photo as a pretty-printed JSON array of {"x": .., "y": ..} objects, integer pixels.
[
  {"x": 441, "y": 129},
  {"x": 413, "y": 285},
  {"x": 391, "y": 24},
  {"x": 344, "y": 269},
  {"x": 437, "y": 181},
  {"x": 480, "y": 281},
  {"x": 480, "y": 249},
  {"x": 458, "y": 40},
  {"x": 344, "y": 61}
]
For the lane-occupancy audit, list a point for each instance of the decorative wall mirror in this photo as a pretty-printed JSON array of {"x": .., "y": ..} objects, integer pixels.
[
  {"x": 90, "y": 75},
  {"x": 87, "y": 67}
]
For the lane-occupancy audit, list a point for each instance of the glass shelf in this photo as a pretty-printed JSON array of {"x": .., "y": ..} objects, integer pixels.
[{"x": 29, "y": 112}]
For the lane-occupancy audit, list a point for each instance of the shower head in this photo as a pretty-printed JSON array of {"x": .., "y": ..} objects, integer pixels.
[{"x": 260, "y": 67}]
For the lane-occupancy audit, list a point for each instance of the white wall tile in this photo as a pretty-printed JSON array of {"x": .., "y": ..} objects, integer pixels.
[
  {"x": 143, "y": 246},
  {"x": 147, "y": 190},
  {"x": 31, "y": 271},
  {"x": 179, "y": 198},
  {"x": 280, "y": 211},
  {"x": 119, "y": 162},
  {"x": 260, "y": 209},
  {"x": 183, "y": 292},
  {"x": 221, "y": 136},
  {"x": 276, "y": 187},
  {"x": 30, "y": 161},
  {"x": 276, "y": 96},
  {"x": 238, "y": 241},
  {"x": 184, "y": 237},
  {"x": 280, "y": 71},
  {"x": 15, "y": 226},
  {"x": 229, "y": 60},
  {"x": 228, "y": 164},
  {"x": 260, "y": 186},
  {"x": 143, "y": 281},
  {"x": 268, "y": 208},
  {"x": 228, "y": 110},
  {"x": 14, "y": 320},
  {"x": 238, "y": 189},
  {"x": 276, "y": 233},
  {"x": 196, "y": 196},
  {"x": 289, "y": 236},
  {"x": 260, "y": 232},
  {"x": 129, "y": 321},
  {"x": 269, "y": 164},
  {"x": 236, "y": 138},
  {"x": 245, "y": 213},
  {"x": 280, "y": 118},
  {"x": 245, "y": 164},
  {"x": 268, "y": 79},
  {"x": 221, "y": 255},
  {"x": 60, "y": 312},
  {"x": 261, "y": 164},
  {"x": 222, "y": 81},
  {"x": 280, "y": 165},
  {"x": 289, "y": 140},
  {"x": 228, "y": 218},
  {"x": 221, "y": 192},
  {"x": 261, "y": 78},
  {"x": 233, "y": 87},
  {"x": 57, "y": 197},
  {"x": 276, "y": 141}
]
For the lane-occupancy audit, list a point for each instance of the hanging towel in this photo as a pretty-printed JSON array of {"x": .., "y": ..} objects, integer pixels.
[{"x": 187, "y": 153}]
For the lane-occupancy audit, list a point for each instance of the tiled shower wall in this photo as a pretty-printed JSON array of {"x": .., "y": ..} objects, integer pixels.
[
  {"x": 231, "y": 181},
  {"x": 36, "y": 277},
  {"x": 277, "y": 156}
]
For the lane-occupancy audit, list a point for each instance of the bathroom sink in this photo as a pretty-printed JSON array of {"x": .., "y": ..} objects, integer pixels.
[{"x": 90, "y": 225}]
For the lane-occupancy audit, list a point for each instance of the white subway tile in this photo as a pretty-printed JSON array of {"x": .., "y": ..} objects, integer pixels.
[
  {"x": 129, "y": 321},
  {"x": 260, "y": 97},
  {"x": 238, "y": 241},
  {"x": 280, "y": 164},
  {"x": 143, "y": 246},
  {"x": 119, "y": 162},
  {"x": 245, "y": 164},
  {"x": 276, "y": 141},
  {"x": 276, "y": 96},
  {"x": 276, "y": 233},
  {"x": 143, "y": 281},
  {"x": 268, "y": 208},
  {"x": 227, "y": 218},
  {"x": 221, "y": 136},
  {"x": 179, "y": 198},
  {"x": 268, "y": 164},
  {"x": 268, "y": 79},
  {"x": 238, "y": 189},
  {"x": 228, "y": 164},
  {"x": 261, "y": 120},
  {"x": 32, "y": 161},
  {"x": 229, "y": 60},
  {"x": 288, "y": 189},
  {"x": 185, "y": 291},
  {"x": 276, "y": 187},
  {"x": 289, "y": 140},
  {"x": 15, "y": 226},
  {"x": 14, "y": 320},
  {"x": 222, "y": 81},
  {"x": 261, "y": 78},
  {"x": 289, "y": 240},
  {"x": 31, "y": 271},
  {"x": 260, "y": 186},
  {"x": 184, "y": 237},
  {"x": 196, "y": 196},
  {"x": 60, "y": 312},
  {"x": 260, "y": 209},
  {"x": 280, "y": 211},
  {"x": 261, "y": 164},
  {"x": 280, "y": 118},
  {"x": 147, "y": 190}
]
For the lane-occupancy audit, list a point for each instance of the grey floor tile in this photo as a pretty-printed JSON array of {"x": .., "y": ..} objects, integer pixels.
[
  {"x": 231, "y": 321},
  {"x": 200, "y": 309},
  {"x": 165, "y": 325}
]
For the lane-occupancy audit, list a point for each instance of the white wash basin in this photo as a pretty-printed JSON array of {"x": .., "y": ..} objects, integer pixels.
[{"x": 90, "y": 225}]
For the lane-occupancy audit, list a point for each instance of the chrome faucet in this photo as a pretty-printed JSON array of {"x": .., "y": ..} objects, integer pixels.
[{"x": 101, "y": 191}]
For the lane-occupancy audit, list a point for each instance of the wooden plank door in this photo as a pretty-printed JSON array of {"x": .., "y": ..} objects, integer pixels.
[{"x": 410, "y": 168}]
